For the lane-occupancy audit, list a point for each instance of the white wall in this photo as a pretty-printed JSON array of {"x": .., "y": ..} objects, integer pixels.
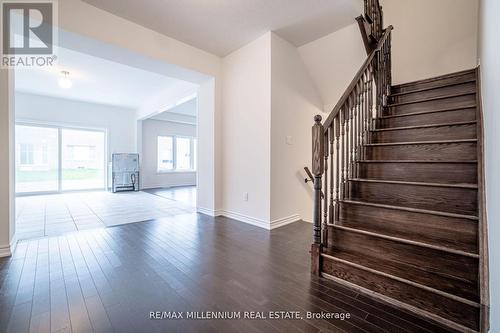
[
  {"x": 489, "y": 53},
  {"x": 7, "y": 172},
  {"x": 119, "y": 122},
  {"x": 268, "y": 96},
  {"x": 151, "y": 129},
  {"x": 430, "y": 37},
  {"x": 246, "y": 130},
  {"x": 332, "y": 62},
  {"x": 294, "y": 103}
]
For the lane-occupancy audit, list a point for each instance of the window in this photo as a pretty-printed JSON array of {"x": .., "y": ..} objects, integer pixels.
[
  {"x": 183, "y": 154},
  {"x": 45, "y": 154},
  {"x": 27, "y": 153},
  {"x": 165, "y": 153},
  {"x": 176, "y": 153}
]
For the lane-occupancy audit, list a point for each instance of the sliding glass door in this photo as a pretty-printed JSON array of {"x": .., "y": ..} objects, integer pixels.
[
  {"x": 82, "y": 159},
  {"x": 37, "y": 159},
  {"x": 54, "y": 159}
]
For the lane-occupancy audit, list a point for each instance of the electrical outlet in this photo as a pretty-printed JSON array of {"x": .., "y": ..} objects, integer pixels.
[
  {"x": 245, "y": 196},
  {"x": 289, "y": 140}
]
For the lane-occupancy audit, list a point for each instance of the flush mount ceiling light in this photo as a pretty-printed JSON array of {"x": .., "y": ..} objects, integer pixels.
[{"x": 64, "y": 82}]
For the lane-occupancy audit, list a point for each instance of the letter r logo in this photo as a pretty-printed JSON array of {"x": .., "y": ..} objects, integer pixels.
[{"x": 27, "y": 27}]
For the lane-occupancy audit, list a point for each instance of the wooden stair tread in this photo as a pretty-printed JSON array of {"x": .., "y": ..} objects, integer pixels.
[
  {"x": 436, "y": 78},
  {"x": 416, "y": 161},
  {"x": 468, "y": 186},
  {"x": 451, "y": 84},
  {"x": 419, "y": 142},
  {"x": 365, "y": 262},
  {"x": 424, "y": 126},
  {"x": 415, "y": 210},
  {"x": 408, "y": 241},
  {"x": 431, "y": 99},
  {"x": 417, "y": 113}
]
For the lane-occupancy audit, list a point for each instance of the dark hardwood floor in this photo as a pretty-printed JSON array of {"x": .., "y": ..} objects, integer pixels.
[{"x": 107, "y": 280}]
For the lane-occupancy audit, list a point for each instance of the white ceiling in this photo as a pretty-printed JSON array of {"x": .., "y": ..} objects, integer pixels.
[
  {"x": 222, "y": 26},
  {"x": 183, "y": 113},
  {"x": 97, "y": 80}
]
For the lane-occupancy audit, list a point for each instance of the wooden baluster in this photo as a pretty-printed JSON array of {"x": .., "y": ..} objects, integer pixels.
[
  {"x": 337, "y": 168},
  {"x": 325, "y": 190},
  {"x": 318, "y": 135},
  {"x": 374, "y": 20}
]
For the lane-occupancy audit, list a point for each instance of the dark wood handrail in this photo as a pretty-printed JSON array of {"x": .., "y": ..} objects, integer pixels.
[{"x": 328, "y": 122}]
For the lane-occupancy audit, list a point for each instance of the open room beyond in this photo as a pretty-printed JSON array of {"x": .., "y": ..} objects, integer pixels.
[{"x": 249, "y": 166}]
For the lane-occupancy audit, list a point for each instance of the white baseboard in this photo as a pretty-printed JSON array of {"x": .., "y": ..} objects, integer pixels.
[
  {"x": 249, "y": 219},
  {"x": 5, "y": 251},
  {"x": 8, "y": 250},
  {"x": 209, "y": 212},
  {"x": 154, "y": 187},
  {"x": 284, "y": 221},
  {"x": 246, "y": 219}
]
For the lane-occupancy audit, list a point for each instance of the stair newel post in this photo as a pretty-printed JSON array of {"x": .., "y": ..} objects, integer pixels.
[
  {"x": 326, "y": 209},
  {"x": 318, "y": 146},
  {"x": 342, "y": 155},
  {"x": 358, "y": 125},
  {"x": 337, "y": 168},
  {"x": 387, "y": 70},
  {"x": 370, "y": 99},
  {"x": 389, "y": 64},
  {"x": 352, "y": 108},
  {"x": 365, "y": 112},
  {"x": 383, "y": 86},
  {"x": 355, "y": 129},
  {"x": 380, "y": 88},
  {"x": 331, "y": 210},
  {"x": 348, "y": 148}
]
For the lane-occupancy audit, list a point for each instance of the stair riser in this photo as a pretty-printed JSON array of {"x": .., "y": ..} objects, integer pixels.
[
  {"x": 450, "y": 309},
  {"x": 451, "y": 173},
  {"x": 463, "y": 151},
  {"x": 453, "y": 132},
  {"x": 435, "y": 83},
  {"x": 444, "y": 199},
  {"x": 430, "y": 118},
  {"x": 451, "y": 102},
  {"x": 451, "y": 232},
  {"x": 469, "y": 87}
]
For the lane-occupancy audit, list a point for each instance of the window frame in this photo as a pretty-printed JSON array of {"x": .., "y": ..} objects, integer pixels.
[{"x": 192, "y": 143}]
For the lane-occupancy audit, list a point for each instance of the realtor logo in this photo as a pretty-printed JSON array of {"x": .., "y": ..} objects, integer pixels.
[{"x": 28, "y": 34}]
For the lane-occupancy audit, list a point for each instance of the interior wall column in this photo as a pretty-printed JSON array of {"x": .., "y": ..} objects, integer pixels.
[{"x": 7, "y": 163}]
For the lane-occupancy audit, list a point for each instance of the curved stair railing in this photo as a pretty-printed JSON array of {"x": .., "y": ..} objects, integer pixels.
[{"x": 339, "y": 141}]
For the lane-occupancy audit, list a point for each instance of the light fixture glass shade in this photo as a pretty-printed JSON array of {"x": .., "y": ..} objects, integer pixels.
[{"x": 65, "y": 83}]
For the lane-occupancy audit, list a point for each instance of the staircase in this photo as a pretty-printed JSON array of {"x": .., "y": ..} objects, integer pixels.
[{"x": 399, "y": 194}]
